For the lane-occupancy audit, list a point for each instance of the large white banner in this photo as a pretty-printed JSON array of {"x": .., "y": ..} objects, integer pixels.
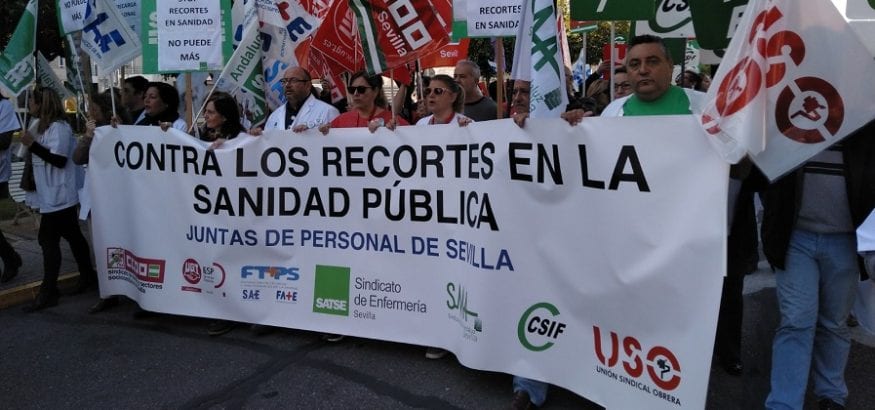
[{"x": 591, "y": 257}]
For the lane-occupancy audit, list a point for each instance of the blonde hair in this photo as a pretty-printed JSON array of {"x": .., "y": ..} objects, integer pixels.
[{"x": 51, "y": 109}]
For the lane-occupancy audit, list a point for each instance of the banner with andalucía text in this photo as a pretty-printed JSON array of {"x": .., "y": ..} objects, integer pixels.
[{"x": 591, "y": 257}]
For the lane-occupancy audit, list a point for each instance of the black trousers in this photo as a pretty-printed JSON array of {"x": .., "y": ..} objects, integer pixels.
[{"x": 53, "y": 227}]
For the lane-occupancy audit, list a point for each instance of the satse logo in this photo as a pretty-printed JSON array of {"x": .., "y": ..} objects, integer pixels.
[{"x": 331, "y": 293}]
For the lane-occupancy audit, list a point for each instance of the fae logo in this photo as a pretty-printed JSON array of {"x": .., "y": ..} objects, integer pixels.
[
  {"x": 663, "y": 367},
  {"x": 287, "y": 296},
  {"x": 538, "y": 328},
  {"x": 331, "y": 293},
  {"x": 269, "y": 272}
]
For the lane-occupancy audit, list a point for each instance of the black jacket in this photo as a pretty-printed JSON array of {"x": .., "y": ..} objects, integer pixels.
[{"x": 781, "y": 200}]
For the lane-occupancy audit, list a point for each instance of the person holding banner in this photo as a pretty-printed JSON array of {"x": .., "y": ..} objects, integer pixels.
[
  {"x": 52, "y": 146},
  {"x": 302, "y": 109},
  {"x": 478, "y": 107},
  {"x": 161, "y": 107},
  {"x": 222, "y": 119},
  {"x": 133, "y": 92},
  {"x": 99, "y": 114},
  {"x": 809, "y": 222},
  {"x": 368, "y": 103},
  {"x": 445, "y": 100},
  {"x": 8, "y": 125}
]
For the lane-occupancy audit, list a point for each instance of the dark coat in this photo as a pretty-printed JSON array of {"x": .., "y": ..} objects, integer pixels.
[{"x": 782, "y": 199}]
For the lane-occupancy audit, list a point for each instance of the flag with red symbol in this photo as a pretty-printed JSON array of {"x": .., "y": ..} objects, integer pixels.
[{"x": 790, "y": 85}]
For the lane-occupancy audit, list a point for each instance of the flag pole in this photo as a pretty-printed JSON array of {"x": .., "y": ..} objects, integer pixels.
[
  {"x": 188, "y": 100},
  {"x": 499, "y": 67},
  {"x": 613, "y": 45},
  {"x": 77, "y": 63},
  {"x": 112, "y": 92}
]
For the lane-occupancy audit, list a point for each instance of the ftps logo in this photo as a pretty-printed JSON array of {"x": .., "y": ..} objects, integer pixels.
[
  {"x": 331, "y": 293},
  {"x": 539, "y": 327}
]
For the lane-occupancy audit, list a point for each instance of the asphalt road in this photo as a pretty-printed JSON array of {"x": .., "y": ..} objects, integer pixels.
[{"x": 65, "y": 358}]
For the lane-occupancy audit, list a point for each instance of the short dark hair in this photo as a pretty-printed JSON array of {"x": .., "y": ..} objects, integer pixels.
[
  {"x": 138, "y": 82},
  {"x": 651, "y": 39}
]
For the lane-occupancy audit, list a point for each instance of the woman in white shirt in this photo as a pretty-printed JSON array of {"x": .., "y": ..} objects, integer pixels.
[
  {"x": 445, "y": 100},
  {"x": 51, "y": 143}
]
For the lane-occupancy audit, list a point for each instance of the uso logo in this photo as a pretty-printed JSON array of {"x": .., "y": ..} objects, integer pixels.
[{"x": 662, "y": 366}]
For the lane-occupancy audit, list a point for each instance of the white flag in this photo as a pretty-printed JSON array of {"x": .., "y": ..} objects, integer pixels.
[
  {"x": 537, "y": 58},
  {"x": 790, "y": 85},
  {"x": 242, "y": 76},
  {"x": 48, "y": 79},
  {"x": 107, "y": 37}
]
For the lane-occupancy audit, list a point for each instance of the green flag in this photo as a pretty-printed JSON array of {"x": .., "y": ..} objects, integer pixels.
[
  {"x": 612, "y": 9},
  {"x": 16, "y": 62}
]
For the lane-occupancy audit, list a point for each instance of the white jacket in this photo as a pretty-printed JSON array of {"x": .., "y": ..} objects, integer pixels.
[{"x": 312, "y": 114}]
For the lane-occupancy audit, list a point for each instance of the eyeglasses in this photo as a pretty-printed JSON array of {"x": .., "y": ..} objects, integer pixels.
[
  {"x": 436, "y": 90},
  {"x": 624, "y": 86},
  {"x": 285, "y": 81},
  {"x": 361, "y": 89}
]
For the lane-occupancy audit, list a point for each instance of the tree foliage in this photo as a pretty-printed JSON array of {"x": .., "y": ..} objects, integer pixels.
[{"x": 48, "y": 38}]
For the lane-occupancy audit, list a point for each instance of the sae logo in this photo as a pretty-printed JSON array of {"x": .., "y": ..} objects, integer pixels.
[{"x": 331, "y": 293}]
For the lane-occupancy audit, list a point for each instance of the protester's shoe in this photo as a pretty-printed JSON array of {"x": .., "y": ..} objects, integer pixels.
[
  {"x": 331, "y": 337},
  {"x": 827, "y": 404},
  {"x": 83, "y": 286},
  {"x": 43, "y": 300},
  {"x": 521, "y": 401},
  {"x": 435, "y": 353},
  {"x": 104, "y": 304},
  {"x": 220, "y": 327},
  {"x": 260, "y": 330},
  {"x": 11, "y": 269}
]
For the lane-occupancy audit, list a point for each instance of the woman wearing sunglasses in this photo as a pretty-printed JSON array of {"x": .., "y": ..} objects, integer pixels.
[
  {"x": 445, "y": 100},
  {"x": 368, "y": 106}
]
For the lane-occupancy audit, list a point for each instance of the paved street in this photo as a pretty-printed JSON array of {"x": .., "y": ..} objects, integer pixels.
[{"x": 65, "y": 358}]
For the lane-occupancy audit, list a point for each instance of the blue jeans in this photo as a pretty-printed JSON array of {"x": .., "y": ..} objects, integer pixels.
[
  {"x": 537, "y": 390},
  {"x": 815, "y": 295}
]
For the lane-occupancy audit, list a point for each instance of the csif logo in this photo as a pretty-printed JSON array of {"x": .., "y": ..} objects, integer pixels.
[
  {"x": 538, "y": 328},
  {"x": 661, "y": 364},
  {"x": 331, "y": 290},
  {"x": 270, "y": 272}
]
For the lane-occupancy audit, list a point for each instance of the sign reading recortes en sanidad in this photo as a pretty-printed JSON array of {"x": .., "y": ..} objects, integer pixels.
[
  {"x": 493, "y": 18},
  {"x": 193, "y": 35}
]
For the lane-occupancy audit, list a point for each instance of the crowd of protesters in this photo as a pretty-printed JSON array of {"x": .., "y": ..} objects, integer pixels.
[{"x": 808, "y": 225}]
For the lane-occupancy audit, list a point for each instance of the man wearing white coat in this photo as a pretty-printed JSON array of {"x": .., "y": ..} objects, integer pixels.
[{"x": 302, "y": 109}]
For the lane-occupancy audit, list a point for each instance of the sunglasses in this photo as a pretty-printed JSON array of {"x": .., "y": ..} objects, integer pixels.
[
  {"x": 436, "y": 90},
  {"x": 358, "y": 89}
]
